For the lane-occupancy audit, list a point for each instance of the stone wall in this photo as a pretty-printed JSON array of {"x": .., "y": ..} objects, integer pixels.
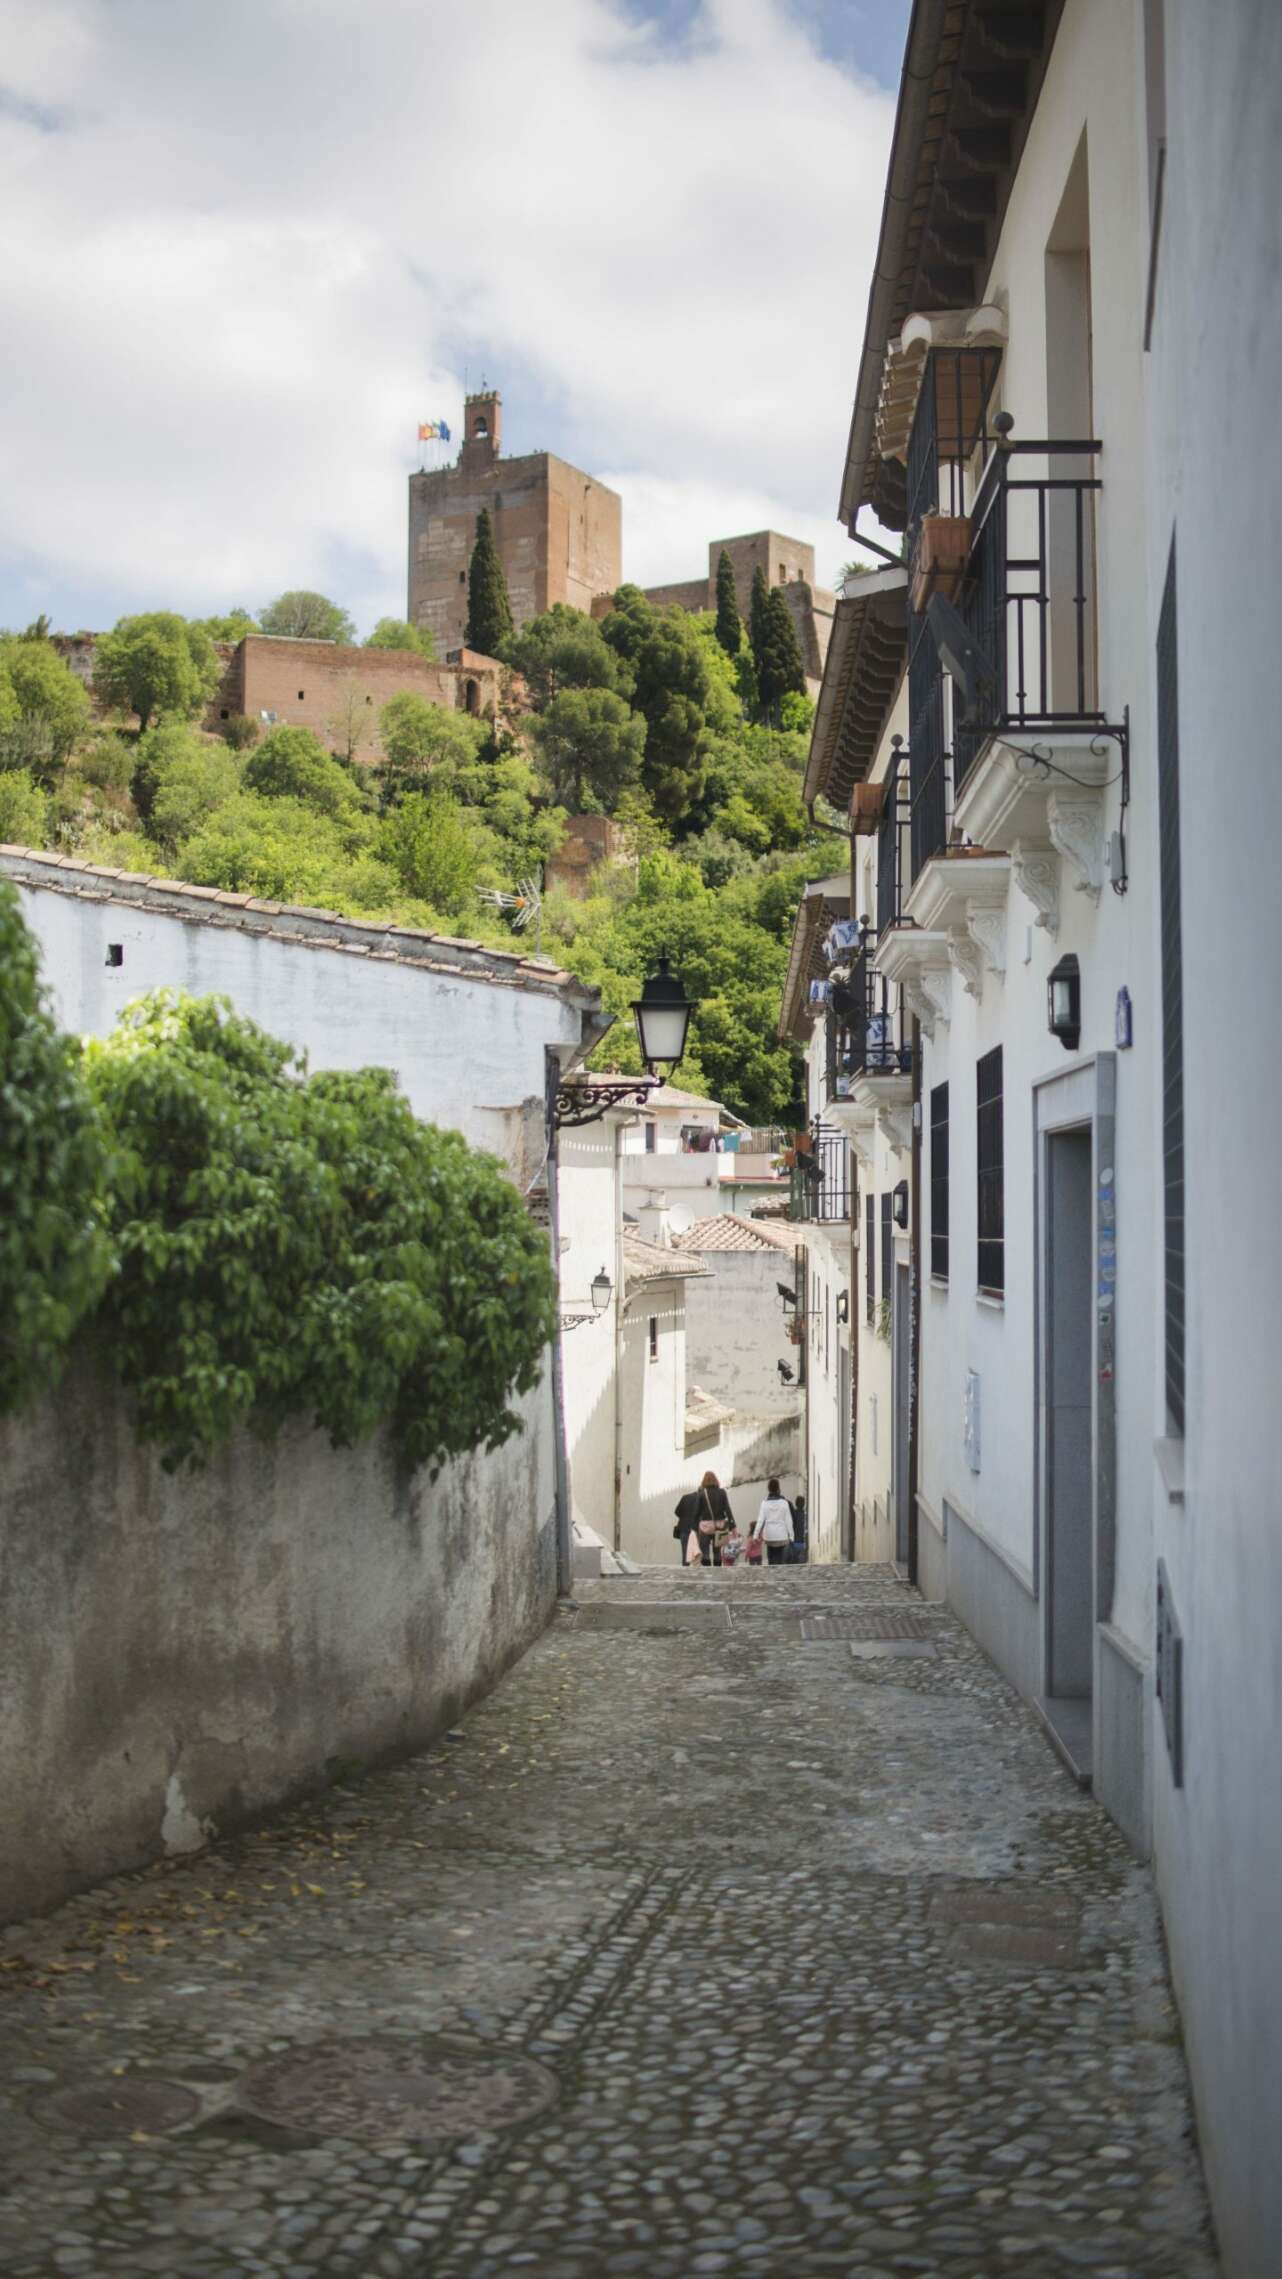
[
  {"x": 181, "y": 1651},
  {"x": 339, "y": 691},
  {"x": 558, "y": 532}
]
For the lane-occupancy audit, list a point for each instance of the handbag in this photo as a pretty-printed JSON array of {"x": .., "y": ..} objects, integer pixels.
[
  {"x": 708, "y": 1525},
  {"x": 694, "y": 1557}
]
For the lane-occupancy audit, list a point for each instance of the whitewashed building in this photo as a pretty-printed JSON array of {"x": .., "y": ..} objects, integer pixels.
[{"x": 1052, "y": 723}]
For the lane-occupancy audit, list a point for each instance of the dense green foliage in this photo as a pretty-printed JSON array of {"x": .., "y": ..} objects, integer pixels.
[
  {"x": 780, "y": 671},
  {"x": 233, "y": 625},
  {"x": 156, "y": 663},
  {"x": 489, "y": 611},
  {"x": 43, "y": 707},
  {"x": 55, "y": 1253},
  {"x": 301, "y": 615},
  {"x": 729, "y": 624},
  {"x": 294, "y": 1246},
  {"x": 398, "y": 633},
  {"x": 643, "y": 715}
]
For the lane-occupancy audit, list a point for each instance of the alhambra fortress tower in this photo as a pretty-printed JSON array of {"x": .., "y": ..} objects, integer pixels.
[
  {"x": 560, "y": 538},
  {"x": 559, "y": 531}
]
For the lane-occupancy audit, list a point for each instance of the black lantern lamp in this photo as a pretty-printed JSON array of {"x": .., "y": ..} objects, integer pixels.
[
  {"x": 601, "y": 1288},
  {"x": 899, "y": 1203},
  {"x": 662, "y": 1015},
  {"x": 1065, "y": 1002}
]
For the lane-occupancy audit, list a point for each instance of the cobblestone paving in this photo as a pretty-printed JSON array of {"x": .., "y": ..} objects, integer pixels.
[{"x": 797, "y": 1947}]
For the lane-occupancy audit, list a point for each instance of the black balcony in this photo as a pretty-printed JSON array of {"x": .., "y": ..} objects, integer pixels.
[
  {"x": 1028, "y": 598},
  {"x": 868, "y": 1031},
  {"x": 821, "y": 1188},
  {"x": 894, "y": 843}
]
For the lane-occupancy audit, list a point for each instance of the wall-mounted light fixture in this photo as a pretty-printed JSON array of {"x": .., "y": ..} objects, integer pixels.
[
  {"x": 843, "y": 1305},
  {"x": 1064, "y": 1010},
  {"x": 787, "y": 1298},
  {"x": 662, "y": 1015},
  {"x": 899, "y": 1204},
  {"x": 601, "y": 1288}
]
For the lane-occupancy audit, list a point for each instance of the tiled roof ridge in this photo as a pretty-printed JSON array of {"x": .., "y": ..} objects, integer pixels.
[
  {"x": 725, "y": 1230},
  {"x": 354, "y": 937}
]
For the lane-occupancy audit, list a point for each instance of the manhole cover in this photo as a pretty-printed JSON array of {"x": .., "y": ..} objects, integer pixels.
[
  {"x": 118, "y": 2108},
  {"x": 372, "y": 2090},
  {"x": 892, "y": 1649},
  {"x": 877, "y": 1622}
]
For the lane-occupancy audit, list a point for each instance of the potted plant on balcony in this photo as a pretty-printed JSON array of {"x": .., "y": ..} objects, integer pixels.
[{"x": 939, "y": 556}]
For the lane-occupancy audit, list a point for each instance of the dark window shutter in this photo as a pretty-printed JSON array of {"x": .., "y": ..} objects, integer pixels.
[
  {"x": 991, "y": 1256},
  {"x": 1168, "y": 807},
  {"x": 939, "y": 1182},
  {"x": 870, "y": 1255},
  {"x": 887, "y": 1245}
]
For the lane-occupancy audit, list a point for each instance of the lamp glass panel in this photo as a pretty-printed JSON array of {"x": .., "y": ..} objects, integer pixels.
[
  {"x": 1062, "y": 1003},
  {"x": 662, "y": 1030}
]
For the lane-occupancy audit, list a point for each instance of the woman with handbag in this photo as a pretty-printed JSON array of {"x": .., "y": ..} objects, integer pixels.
[
  {"x": 773, "y": 1524},
  {"x": 715, "y": 1519}
]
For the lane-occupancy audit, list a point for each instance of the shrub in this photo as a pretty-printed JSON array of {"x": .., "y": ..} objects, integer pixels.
[
  {"x": 306, "y": 1247},
  {"x": 24, "y": 809},
  {"x": 292, "y": 763},
  {"x": 240, "y": 731},
  {"x": 43, "y": 707},
  {"x": 55, "y": 1256}
]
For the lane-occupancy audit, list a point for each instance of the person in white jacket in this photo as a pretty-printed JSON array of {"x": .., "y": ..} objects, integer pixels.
[{"x": 773, "y": 1524}]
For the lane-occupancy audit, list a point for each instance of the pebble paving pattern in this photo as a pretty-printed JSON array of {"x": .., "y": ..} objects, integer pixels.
[{"x": 831, "y": 1967}]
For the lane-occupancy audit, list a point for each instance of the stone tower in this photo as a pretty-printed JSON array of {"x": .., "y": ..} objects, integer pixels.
[{"x": 558, "y": 531}]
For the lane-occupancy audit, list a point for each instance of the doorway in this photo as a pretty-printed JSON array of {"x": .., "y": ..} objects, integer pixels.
[
  {"x": 901, "y": 1403},
  {"x": 1069, "y": 1439}
]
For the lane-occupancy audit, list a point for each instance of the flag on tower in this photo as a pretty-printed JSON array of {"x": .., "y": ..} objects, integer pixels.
[{"x": 433, "y": 431}]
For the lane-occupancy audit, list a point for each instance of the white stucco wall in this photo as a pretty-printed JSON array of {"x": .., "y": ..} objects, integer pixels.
[
  {"x": 1215, "y": 481},
  {"x": 590, "y": 1228},
  {"x": 735, "y": 1330},
  {"x": 666, "y": 1193},
  {"x": 467, "y": 1050}
]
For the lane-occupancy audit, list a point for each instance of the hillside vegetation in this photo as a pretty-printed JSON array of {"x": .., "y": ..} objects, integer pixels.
[{"x": 651, "y": 716}]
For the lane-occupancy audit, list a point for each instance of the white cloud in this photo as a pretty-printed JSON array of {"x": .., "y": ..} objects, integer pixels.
[{"x": 256, "y": 241}]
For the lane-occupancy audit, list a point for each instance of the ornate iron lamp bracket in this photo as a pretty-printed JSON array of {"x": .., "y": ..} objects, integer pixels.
[{"x": 586, "y": 1103}]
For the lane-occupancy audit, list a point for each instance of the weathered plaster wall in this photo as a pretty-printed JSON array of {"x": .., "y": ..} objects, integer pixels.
[
  {"x": 177, "y": 1650},
  {"x": 735, "y": 1331}
]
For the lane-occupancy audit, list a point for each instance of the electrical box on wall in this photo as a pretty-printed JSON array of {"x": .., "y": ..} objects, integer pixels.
[{"x": 970, "y": 1419}]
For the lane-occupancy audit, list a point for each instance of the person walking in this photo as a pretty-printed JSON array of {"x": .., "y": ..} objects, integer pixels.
[
  {"x": 800, "y": 1530},
  {"x": 773, "y": 1524},
  {"x": 715, "y": 1519}
]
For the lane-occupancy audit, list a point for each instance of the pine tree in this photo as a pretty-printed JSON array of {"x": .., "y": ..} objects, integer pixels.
[
  {"x": 759, "y": 620},
  {"x": 729, "y": 628},
  {"x": 489, "y": 612},
  {"x": 780, "y": 668}
]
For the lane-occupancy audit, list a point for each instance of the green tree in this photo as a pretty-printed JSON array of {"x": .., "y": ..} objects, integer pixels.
[
  {"x": 295, "y": 1247},
  {"x": 780, "y": 672},
  {"x": 758, "y": 619},
  {"x": 564, "y": 649},
  {"x": 591, "y": 746},
  {"x": 664, "y": 653},
  {"x": 489, "y": 612},
  {"x": 417, "y": 736},
  {"x": 435, "y": 855},
  {"x": 156, "y": 663},
  {"x": 289, "y": 852},
  {"x": 729, "y": 627},
  {"x": 304, "y": 616},
  {"x": 24, "y": 809},
  {"x": 292, "y": 763},
  {"x": 55, "y": 1254},
  {"x": 397, "y": 633},
  {"x": 43, "y": 707},
  {"x": 234, "y": 625},
  {"x": 189, "y": 779}
]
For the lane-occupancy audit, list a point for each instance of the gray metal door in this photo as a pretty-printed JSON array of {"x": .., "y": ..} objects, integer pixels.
[{"x": 901, "y": 1395}]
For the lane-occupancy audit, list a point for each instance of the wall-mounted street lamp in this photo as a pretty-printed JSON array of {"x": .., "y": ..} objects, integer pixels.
[
  {"x": 843, "y": 1305},
  {"x": 601, "y": 1289},
  {"x": 899, "y": 1203},
  {"x": 1065, "y": 1002},
  {"x": 662, "y": 1015}
]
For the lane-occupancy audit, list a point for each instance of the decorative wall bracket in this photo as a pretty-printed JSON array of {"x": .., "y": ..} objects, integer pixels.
[
  {"x": 937, "y": 984},
  {"x": 964, "y": 953},
  {"x": 986, "y": 925},
  {"x": 578, "y": 1104},
  {"x": 920, "y": 1005},
  {"x": 1037, "y": 875},
  {"x": 1076, "y": 826}
]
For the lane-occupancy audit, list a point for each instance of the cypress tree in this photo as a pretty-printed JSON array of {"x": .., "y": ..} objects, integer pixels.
[
  {"x": 781, "y": 669},
  {"x": 489, "y": 612},
  {"x": 759, "y": 622},
  {"x": 729, "y": 629}
]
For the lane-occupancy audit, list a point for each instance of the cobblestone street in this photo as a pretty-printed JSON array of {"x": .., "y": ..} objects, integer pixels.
[{"x": 750, "y": 1927}]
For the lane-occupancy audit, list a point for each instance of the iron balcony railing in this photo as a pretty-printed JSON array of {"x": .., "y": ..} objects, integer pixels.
[
  {"x": 1028, "y": 598},
  {"x": 894, "y": 846},
  {"x": 821, "y": 1187},
  {"x": 948, "y": 430},
  {"x": 868, "y": 1032}
]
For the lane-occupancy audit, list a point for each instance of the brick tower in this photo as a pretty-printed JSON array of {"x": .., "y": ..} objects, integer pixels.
[{"x": 558, "y": 531}]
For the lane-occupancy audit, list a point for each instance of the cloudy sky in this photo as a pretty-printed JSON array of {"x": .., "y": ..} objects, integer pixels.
[{"x": 246, "y": 248}]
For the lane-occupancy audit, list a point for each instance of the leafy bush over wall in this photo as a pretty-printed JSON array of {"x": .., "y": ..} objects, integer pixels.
[
  {"x": 304, "y": 1246},
  {"x": 55, "y": 1255}
]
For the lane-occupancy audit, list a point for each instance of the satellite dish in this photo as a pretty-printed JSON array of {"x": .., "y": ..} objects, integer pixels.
[{"x": 959, "y": 653}]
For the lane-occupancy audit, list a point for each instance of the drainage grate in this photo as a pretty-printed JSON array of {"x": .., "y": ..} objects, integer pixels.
[
  {"x": 118, "y": 2108},
  {"x": 877, "y": 1622},
  {"x": 373, "y": 2090},
  {"x": 657, "y": 1617}
]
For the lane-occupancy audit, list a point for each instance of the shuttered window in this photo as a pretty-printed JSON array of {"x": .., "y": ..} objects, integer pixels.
[
  {"x": 1168, "y": 811},
  {"x": 991, "y": 1260},
  {"x": 887, "y": 1246},
  {"x": 939, "y": 1182},
  {"x": 870, "y": 1256}
]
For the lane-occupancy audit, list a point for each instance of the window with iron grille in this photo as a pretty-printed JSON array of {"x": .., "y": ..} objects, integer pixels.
[
  {"x": 1168, "y": 802},
  {"x": 870, "y": 1256},
  {"x": 887, "y": 1246},
  {"x": 939, "y": 1182},
  {"x": 992, "y": 1175}
]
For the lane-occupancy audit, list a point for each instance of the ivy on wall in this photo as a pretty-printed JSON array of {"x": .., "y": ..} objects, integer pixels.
[{"x": 259, "y": 1243}]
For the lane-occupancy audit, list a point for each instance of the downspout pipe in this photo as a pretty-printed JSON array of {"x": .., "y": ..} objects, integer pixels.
[{"x": 915, "y": 1293}]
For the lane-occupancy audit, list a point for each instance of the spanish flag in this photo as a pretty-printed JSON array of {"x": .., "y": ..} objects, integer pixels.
[{"x": 433, "y": 431}]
